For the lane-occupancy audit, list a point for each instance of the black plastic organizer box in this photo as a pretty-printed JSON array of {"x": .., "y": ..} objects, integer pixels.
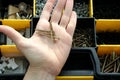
[{"x": 95, "y": 52}]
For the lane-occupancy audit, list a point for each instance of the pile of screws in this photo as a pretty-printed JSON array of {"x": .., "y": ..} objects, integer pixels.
[
  {"x": 83, "y": 38},
  {"x": 104, "y": 10},
  {"x": 7, "y": 64},
  {"x": 20, "y": 11},
  {"x": 110, "y": 63},
  {"x": 82, "y": 9},
  {"x": 39, "y": 7}
]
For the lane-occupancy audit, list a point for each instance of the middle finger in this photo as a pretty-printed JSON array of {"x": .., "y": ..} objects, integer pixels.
[
  {"x": 57, "y": 12},
  {"x": 67, "y": 13}
]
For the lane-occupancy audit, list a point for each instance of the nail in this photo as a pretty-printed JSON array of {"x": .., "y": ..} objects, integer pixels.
[
  {"x": 104, "y": 63},
  {"x": 112, "y": 62},
  {"x": 118, "y": 68},
  {"x": 113, "y": 55},
  {"x": 115, "y": 66},
  {"x": 110, "y": 70}
]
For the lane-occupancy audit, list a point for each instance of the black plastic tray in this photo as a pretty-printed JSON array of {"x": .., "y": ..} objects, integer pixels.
[
  {"x": 85, "y": 32},
  {"x": 81, "y": 62}
]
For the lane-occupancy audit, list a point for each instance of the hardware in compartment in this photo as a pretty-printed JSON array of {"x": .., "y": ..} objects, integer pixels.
[
  {"x": 109, "y": 59},
  {"x": 85, "y": 34},
  {"x": 110, "y": 63},
  {"x": 18, "y": 9},
  {"x": 13, "y": 65},
  {"x": 39, "y": 4},
  {"x": 82, "y": 8}
]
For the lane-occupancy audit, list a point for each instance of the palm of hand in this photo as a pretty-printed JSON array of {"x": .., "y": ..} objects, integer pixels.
[{"x": 41, "y": 51}]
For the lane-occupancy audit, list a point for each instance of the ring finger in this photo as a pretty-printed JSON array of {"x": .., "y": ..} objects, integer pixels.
[{"x": 67, "y": 13}]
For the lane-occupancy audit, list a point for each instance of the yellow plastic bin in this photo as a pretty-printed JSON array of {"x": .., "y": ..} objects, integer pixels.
[
  {"x": 110, "y": 25},
  {"x": 10, "y": 51},
  {"x": 17, "y": 24},
  {"x": 107, "y": 15},
  {"x": 106, "y": 69},
  {"x": 74, "y": 78},
  {"x": 16, "y": 16},
  {"x": 108, "y": 32}
]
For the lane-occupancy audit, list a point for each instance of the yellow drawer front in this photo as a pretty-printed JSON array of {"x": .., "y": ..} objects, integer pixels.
[
  {"x": 107, "y": 49},
  {"x": 10, "y": 51},
  {"x": 75, "y": 78},
  {"x": 107, "y": 25},
  {"x": 17, "y": 24}
]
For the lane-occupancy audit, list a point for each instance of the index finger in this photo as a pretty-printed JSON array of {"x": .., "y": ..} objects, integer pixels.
[{"x": 47, "y": 9}]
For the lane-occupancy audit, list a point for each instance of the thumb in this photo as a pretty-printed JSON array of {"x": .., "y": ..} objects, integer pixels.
[{"x": 11, "y": 33}]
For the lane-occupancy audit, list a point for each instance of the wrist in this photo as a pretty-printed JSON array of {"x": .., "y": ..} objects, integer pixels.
[{"x": 38, "y": 74}]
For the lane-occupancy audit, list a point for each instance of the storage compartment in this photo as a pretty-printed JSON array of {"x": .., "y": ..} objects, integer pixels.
[
  {"x": 107, "y": 15},
  {"x": 109, "y": 66},
  {"x": 80, "y": 63},
  {"x": 107, "y": 25},
  {"x": 16, "y": 64},
  {"x": 16, "y": 14},
  {"x": 106, "y": 9},
  {"x": 108, "y": 31},
  {"x": 85, "y": 34},
  {"x": 18, "y": 9},
  {"x": 108, "y": 38},
  {"x": 17, "y": 73},
  {"x": 82, "y": 8}
]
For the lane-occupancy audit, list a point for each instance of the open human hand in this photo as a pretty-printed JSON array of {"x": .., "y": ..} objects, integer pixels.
[{"x": 41, "y": 51}]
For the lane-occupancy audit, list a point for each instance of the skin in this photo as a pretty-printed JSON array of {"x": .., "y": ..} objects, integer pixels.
[{"x": 47, "y": 58}]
